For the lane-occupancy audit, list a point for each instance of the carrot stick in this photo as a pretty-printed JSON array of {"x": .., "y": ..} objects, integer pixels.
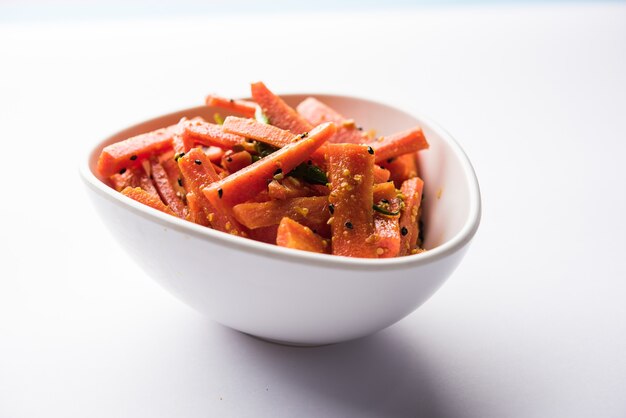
[
  {"x": 235, "y": 161},
  {"x": 165, "y": 189},
  {"x": 195, "y": 132},
  {"x": 291, "y": 234},
  {"x": 309, "y": 211},
  {"x": 351, "y": 178},
  {"x": 132, "y": 151},
  {"x": 381, "y": 175},
  {"x": 246, "y": 183},
  {"x": 246, "y": 108},
  {"x": 265, "y": 234},
  {"x": 401, "y": 168},
  {"x": 279, "y": 113},
  {"x": 317, "y": 112},
  {"x": 268, "y": 134},
  {"x": 412, "y": 191},
  {"x": 404, "y": 142},
  {"x": 141, "y": 196},
  {"x": 198, "y": 173},
  {"x": 288, "y": 188},
  {"x": 384, "y": 191}
]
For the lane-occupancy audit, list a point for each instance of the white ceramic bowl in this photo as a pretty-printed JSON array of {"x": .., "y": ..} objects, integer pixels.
[{"x": 293, "y": 296}]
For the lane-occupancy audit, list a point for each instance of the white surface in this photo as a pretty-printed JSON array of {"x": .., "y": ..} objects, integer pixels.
[{"x": 531, "y": 325}]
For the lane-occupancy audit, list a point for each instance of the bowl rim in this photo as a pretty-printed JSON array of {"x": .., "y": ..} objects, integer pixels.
[{"x": 454, "y": 244}]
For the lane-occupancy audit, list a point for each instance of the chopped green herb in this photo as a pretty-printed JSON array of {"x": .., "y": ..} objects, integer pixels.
[{"x": 309, "y": 173}]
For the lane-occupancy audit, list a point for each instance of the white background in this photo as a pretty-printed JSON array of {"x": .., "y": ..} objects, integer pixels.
[{"x": 533, "y": 323}]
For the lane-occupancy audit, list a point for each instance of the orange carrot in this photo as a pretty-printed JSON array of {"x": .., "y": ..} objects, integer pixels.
[
  {"x": 291, "y": 234},
  {"x": 401, "y": 168},
  {"x": 400, "y": 143},
  {"x": 387, "y": 225},
  {"x": 214, "y": 154},
  {"x": 198, "y": 173},
  {"x": 265, "y": 234},
  {"x": 141, "y": 196},
  {"x": 173, "y": 173},
  {"x": 317, "y": 112},
  {"x": 288, "y": 188},
  {"x": 246, "y": 183},
  {"x": 381, "y": 175},
  {"x": 131, "y": 152},
  {"x": 309, "y": 211},
  {"x": 165, "y": 189},
  {"x": 412, "y": 191},
  {"x": 265, "y": 133},
  {"x": 195, "y": 132},
  {"x": 384, "y": 191},
  {"x": 250, "y": 128},
  {"x": 235, "y": 161},
  {"x": 134, "y": 177},
  {"x": 351, "y": 176},
  {"x": 279, "y": 113},
  {"x": 244, "y": 107}
]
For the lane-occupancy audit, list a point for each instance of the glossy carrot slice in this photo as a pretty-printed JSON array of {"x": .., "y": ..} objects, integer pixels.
[
  {"x": 198, "y": 173},
  {"x": 141, "y": 196},
  {"x": 262, "y": 132},
  {"x": 409, "y": 228},
  {"x": 134, "y": 177},
  {"x": 235, "y": 161},
  {"x": 309, "y": 211},
  {"x": 131, "y": 152},
  {"x": 268, "y": 134},
  {"x": 248, "y": 182},
  {"x": 195, "y": 132},
  {"x": 166, "y": 189},
  {"x": 381, "y": 175},
  {"x": 279, "y": 113},
  {"x": 351, "y": 176},
  {"x": 384, "y": 191},
  {"x": 387, "y": 225},
  {"x": 409, "y": 141},
  {"x": 288, "y": 188},
  {"x": 401, "y": 168},
  {"x": 291, "y": 234},
  {"x": 246, "y": 108},
  {"x": 266, "y": 234},
  {"x": 317, "y": 112}
]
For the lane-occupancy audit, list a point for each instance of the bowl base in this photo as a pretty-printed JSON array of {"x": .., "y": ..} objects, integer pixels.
[{"x": 287, "y": 343}]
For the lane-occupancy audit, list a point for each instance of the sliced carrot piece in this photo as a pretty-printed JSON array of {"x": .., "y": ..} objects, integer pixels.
[
  {"x": 279, "y": 113},
  {"x": 384, "y": 191},
  {"x": 291, "y": 234},
  {"x": 246, "y": 108},
  {"x": 141, "y": 196},
  {"x": 134, "y": 177},
  {"x": 351, "y": 176},
  {"x": 288, "y": 188},
  {"x": 265, "y": 234},
  {"x": 317, "y": 112},
  {"x": 381, "y": 175},
  {"x": 409, "y": 229},
  {"x": 309, "y": 211},
  {"x": 266, "y": 134},
  {"x": 235, "y": 161},
  {"x": 411, "y": 140},
  {"x": 214, "y": 154},
  {"x": 248, "y": 182},
  {"x": 196, "y": 132},
  {"x": 401, "y": 168},
  {"x": 132, "y": 151},
  {"x": 195, "y": 212},
  {"x": 165, "y": 189},
  {"x": 173, "y": 173},
  {"x": 262, "y": 132},
  {"x": 387, "y": 226},
  {"x": 198, "y": 173}
]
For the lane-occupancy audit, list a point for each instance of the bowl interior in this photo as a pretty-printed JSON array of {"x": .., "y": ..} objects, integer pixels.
[{"x": 451, "y": 205}]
